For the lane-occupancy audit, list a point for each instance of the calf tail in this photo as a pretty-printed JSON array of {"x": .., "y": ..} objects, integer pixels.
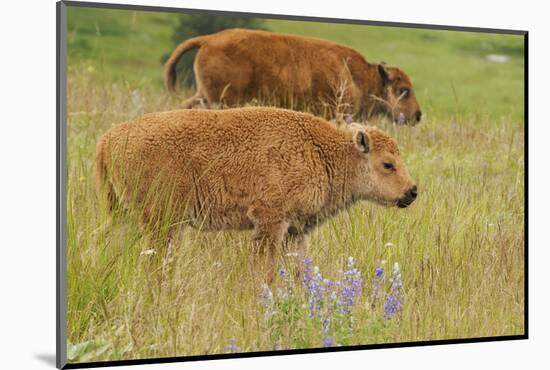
[{"x": 170, "y": 74}]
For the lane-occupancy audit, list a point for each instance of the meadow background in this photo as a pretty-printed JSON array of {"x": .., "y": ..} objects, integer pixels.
[{"x": 459, "y": 246}]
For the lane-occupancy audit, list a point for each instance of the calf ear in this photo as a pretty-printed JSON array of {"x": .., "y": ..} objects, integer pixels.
[
  {"x": 361, "y": 140},
  {"x": 383, "y": 73}
]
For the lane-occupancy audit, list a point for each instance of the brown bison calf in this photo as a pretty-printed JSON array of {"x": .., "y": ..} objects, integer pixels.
[
  {"x": 236, "y": 66},
  {"x": 276, "y": 171}
]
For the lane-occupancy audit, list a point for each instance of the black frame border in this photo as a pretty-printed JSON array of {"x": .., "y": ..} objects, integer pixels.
[{"x": 61, "y": 185}]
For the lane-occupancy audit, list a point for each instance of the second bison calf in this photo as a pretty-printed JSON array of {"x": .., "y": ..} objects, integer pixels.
[{"x": 276, "y": 171}]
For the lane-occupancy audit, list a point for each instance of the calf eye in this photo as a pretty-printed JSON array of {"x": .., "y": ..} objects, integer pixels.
[
  {"x": 404, "y": 92},
  {"x": 388, "y": 166}
]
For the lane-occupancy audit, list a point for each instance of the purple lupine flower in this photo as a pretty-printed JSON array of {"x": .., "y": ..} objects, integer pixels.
[
  {"x": 394, "y": 300},
  {"x": 348, "y": 118},
  {"x": 325, "y": 297},
  {"x": 286, "y": 291},
  {"x": 327, "y": 339},
  {"x": 391, "y": 306},
  {"x": 307, "y": 271},
  {"x": 322, "y": 298},
  {"x": 379, "y": 279},
  {"x": 231, "y": 347},
  {"x": 315, "y": 293},
  {"x": 266, "y": 296},
  {"x": 351, "y": 288},
  {"x": 401, "y": 119},
  {"x": 315, "y": 288}
]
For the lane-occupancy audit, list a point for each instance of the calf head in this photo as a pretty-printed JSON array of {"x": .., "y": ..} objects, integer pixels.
[
  {"x": 382, "y": 176},
  {"x": 399, "y": 98}
]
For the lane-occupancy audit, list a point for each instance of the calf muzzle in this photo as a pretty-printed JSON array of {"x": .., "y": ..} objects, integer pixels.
[{"x": 408, "y": 198}]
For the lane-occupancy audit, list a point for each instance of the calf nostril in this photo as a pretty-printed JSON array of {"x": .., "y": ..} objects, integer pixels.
[
  {"x": 418, "y": 115},
  {"x": 413, "y": 192}
]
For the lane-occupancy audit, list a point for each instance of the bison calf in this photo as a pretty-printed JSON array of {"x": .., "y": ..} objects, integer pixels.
[
  {"x": 276, "y": 171},
  {"x": 236, "y": 66}
]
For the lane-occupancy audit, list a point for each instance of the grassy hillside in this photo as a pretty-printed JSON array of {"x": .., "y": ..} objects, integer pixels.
[{"x": 459, "y": 246}]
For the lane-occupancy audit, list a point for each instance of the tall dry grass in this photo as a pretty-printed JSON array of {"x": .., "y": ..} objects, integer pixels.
[{"x": 460, "y": 248}]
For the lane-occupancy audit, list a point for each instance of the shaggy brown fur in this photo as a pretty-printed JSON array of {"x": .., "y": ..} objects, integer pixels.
[
  {"x": 235, "y": 66},
  {"x": 276, "y": 171}
]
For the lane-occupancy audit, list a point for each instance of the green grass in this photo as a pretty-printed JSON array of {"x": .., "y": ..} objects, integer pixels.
[
  {"x": 460, "y": 245},
  {"x": 123, "y": 45}
]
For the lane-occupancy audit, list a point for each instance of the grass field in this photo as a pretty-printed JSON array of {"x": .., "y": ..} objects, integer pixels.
[{"x": 459, "y": 246}]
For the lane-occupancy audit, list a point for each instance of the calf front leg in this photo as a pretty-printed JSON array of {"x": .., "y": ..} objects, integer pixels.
[{"x": 269, "y": 233}]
